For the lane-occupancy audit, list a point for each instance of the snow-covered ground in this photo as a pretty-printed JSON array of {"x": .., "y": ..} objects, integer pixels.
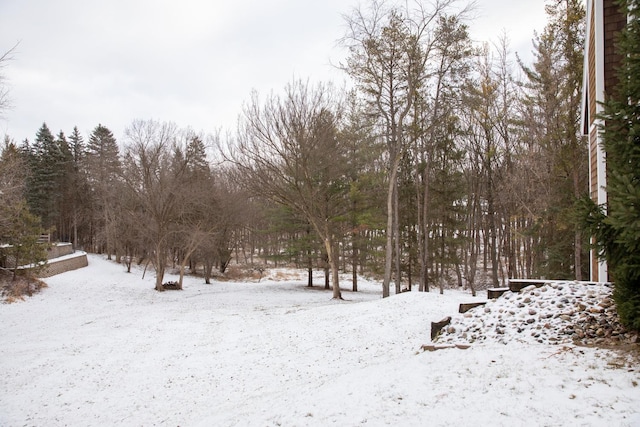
[{"x": 100, "y": 347}]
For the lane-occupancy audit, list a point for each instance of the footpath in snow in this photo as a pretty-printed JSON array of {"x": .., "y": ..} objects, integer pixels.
[{"x": 101, "y": 347}]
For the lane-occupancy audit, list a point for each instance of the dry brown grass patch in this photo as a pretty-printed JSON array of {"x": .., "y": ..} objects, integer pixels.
[
  {"x": 281, "y": 275},
  {"x": 239, "y": 273},
  {"x": 15, "y": 290}
]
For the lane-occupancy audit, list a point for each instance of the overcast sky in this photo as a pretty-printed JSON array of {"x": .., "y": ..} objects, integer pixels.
[{"x": 191, "y": 62}]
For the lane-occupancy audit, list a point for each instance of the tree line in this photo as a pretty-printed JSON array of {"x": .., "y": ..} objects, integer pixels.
[
  {"x": 442, "y": 164},
  {"x": 446, "y": 163}
]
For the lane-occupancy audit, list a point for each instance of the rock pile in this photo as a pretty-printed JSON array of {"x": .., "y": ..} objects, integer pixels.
[{"x": 556, "y": 313}]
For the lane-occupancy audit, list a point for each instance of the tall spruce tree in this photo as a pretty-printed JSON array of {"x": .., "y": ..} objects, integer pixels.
[
  {"x": 43, "y": 157},
  {"x": 196, "y": 156},
  {"x": 78, "y": 204},
  {"x": 617, "y": 229},
  {"x": 63, "y": 188},
  {"x": 76, "y": 144},
  {"x": 104, "y": 169}
]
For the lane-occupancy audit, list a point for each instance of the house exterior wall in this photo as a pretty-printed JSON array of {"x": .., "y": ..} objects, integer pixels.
[
  {"x": 614, "y": 21},
  {"x": 604, "y": 21}
]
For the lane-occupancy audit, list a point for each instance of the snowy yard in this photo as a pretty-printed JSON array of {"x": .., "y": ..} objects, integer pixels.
[{"x": 100, "y": 347}]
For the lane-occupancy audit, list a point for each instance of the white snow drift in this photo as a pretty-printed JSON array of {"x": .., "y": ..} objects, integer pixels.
[{"x": 101, "y": 347}]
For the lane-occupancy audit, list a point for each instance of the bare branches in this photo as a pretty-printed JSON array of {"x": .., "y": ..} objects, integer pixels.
[
  {"x": 288, "y": 151},
  {"x": 5, "y": 102}
]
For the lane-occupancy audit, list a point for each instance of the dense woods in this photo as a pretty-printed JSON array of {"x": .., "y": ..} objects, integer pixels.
[{"x": 448, "y": 163}]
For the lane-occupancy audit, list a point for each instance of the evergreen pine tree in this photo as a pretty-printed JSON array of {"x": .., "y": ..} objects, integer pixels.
[
  {"x": 76, "y": 144},
  {"x": 103, "y": 169},
  {"x": 103, "y": 156},
  {"x": 43, "y": 158},
  {"x": 64, "y": 187},
  {"x": 22, "y": 236},
  {"x": 13, "y": 173},
  {"x": 196, "y": 156},
  {"x": 79, "y": 201},
  {"x": 19, "y": 228}
]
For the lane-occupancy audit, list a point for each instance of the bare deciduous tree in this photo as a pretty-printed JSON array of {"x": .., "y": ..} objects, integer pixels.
[
  {"x": 155, "y": 181},
  {"x": 288, "y": 151}
]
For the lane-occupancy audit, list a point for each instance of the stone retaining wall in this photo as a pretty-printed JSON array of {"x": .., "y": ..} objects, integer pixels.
[
  {"x": 59, "y": 249},
  {"x": 54, "y": 251},
  {"x": 69, "y": 263}
]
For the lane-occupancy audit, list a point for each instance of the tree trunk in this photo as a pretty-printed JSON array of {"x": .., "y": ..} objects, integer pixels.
[
  {"x": 354, "y": 263},
  {"x": 309, "y": 259},
  {"x": 474, "y": 245},
  {"x": 396, "y": 235},
  {"x": 458, "y": 269},
  {"x": 159, "y": 278},
  {"x": 327, "y": 270},
  {"x": 75, "y": 231},
  {"x": 388, "y": 258},
  {"x": 184, "y": 262},
  {"x": 493, "y": 248},
  {"x": 207, "y": 269},
  {"x": 334, "y": 265},
  {"x": 160, "y": 260},
  {"x": 424, "y": 230},
  {"x": 182, "y": 268},
  {"x": 577, "y": 237}
]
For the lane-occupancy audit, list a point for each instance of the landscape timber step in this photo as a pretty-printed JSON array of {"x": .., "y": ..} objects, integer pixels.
[
  {"x": 436, "y": 327},
  {"x": 464, "y": 307},
  {"x": 493, "y": 293},
  {"x": 516, "y": 285},
  {"x": 434, "y": 347}
]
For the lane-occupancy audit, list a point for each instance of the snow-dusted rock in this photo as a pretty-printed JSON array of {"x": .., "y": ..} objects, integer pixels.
[{"x": 556, "y": 313}]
